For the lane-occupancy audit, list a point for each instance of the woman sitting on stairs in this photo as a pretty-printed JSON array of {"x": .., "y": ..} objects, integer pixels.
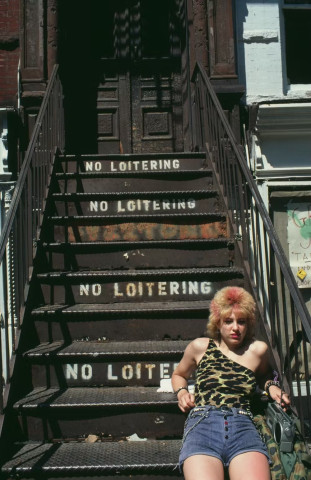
[{"x": 219, "y": 430}]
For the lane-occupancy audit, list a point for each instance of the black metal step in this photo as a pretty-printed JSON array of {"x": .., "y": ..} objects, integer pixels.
[
  {"x": 98, "y": 182},
  {"x": 107, "y": 350},
  {"x": 95, "y": 397},
  {"x": 114, "y": 412},
  {"x": 144, "y": 254},
  {"x": 104, "y": 363},
  {"x": 127, "y": 309},
  {"x": 98, "y": 229},
  {"x": 120, "y": 322},
  {"x": 136, "y": 203},
  {"x": 100, "y": 458},
  {"x": 133, "y": 162},
  {"x": 118, "y": 286}
]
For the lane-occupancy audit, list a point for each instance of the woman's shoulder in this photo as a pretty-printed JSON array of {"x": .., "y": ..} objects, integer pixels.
[
  {"x": 258, "y": 347},
  {"x": 199, "y": 345}
]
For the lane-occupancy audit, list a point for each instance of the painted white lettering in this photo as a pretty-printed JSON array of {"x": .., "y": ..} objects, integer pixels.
[
  {"x": 138, "y": 370},
  {"x": 162, "y": 288},
  {"x": 127, "y": 372},
  {"x": 174, "y": 288},
  {"x": 116, "y": 292},
  {"x": 94, "y": 206},
  {"x": 193, "y": 288},
  {"x": 144, "y": 165},
  {"x": 96, "y": 289},
  {"x": 181, "y": 205},
  {"x": 191, "y": 203},
  {"x": 131, "y": 205},
  {"x": 122, "y": 166},
  {"x": 164, "y": 372},
  {"x": 110, "y": 375},
  {"x": 88, "y": 166},
  {"x": 72, "y": 371},
  {"x": 166, "y": 205},
  {"x": 150, "y": 286},
  {"x": 103, "y": 206},
  {"x": 166, "y": 164},
  {"x": 206, "y": 287},
  {"x": 146, "y": 204},
  {"x": 136, "y": 165},
  {"x": 175, "y": 163},
  {"x": 98, "y": 166},
  {"x": 156, "y": 205},
  {"x": 84, "y": 290},
  {"x": 112, "y": 167},
  {"x": 140, "y": 289},
  {"x": 153, "y": 165},
  {"x": 119, "y": 206},
  {"x": 86, "y": 372},
  {"x": 150, "y": 367},
  {"x": 131, "y": 290}
]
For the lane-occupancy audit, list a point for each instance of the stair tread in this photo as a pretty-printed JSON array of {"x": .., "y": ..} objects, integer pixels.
[
  {"x": 146, "y": 273},
  {"x": 140, "y": 243},
  {"x": 127, "y": 156},
  {"x": 136, "y": 173},
  {"x": 105, "y": 349},
  {"x": 96, "y": 457},
  {"x": 82, "y": 308},
  {"x": 124, "y": 194},
  {"x": 141, "y": 216},
  {"x": 84, "y": 397}
]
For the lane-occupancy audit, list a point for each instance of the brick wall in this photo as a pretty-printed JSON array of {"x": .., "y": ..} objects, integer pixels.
[{"x": 9, "y": 51}]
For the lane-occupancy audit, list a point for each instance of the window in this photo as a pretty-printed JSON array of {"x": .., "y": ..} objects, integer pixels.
[{"x": 297, "y": 21}]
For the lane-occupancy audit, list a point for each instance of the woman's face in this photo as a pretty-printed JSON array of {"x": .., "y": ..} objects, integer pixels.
[{"x": 233, "y": 329}]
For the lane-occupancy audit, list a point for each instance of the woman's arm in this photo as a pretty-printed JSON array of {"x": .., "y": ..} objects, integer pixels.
[
  {"x": 265, "y": 378},
  {"x": 184, "y": 370}
]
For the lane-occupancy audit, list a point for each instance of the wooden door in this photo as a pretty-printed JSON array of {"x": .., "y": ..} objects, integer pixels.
[{"x": 139, "y": 91}]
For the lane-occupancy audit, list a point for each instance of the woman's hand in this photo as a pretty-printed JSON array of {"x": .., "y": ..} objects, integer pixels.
[
  {"x": 185, "y": 400},
  {"x": 279, "y": 396}
]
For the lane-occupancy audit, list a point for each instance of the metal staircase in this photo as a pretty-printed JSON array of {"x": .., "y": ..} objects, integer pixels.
[
  {"x": 126, "y": 265},
  {"x": 128, "y": 251}
]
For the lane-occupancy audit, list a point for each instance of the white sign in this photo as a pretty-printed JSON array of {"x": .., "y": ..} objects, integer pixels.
[{"x": 299, "y": 241}]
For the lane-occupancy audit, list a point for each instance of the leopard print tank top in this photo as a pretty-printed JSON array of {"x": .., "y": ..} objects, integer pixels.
[{"x": 222, "y": 381}]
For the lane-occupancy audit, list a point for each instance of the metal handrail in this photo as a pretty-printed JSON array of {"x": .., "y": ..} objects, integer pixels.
[
  {"x": 285, "y": 317},
  {"x": 21, "y": 226}
]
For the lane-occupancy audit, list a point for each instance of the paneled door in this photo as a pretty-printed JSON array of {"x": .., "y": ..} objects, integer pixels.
[{"x": 137, "y": 46}]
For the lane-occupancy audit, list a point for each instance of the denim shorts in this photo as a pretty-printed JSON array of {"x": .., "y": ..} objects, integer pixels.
[{"x": 220, "y": 432}]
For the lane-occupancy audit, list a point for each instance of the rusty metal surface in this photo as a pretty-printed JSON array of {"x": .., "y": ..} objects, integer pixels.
[
  {"x": 126, "y": 255},
  {"x": 135, "y": 231}
]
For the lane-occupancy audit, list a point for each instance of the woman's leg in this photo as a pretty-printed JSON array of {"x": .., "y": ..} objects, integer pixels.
[
  {"x": 249, "y": 466},
  {"x": 203, "y": 467}
]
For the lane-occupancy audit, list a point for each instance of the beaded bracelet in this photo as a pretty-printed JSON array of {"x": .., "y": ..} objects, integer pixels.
[
  {"x": 269, "y": 384},
  {"x": 180, "y": 388}
]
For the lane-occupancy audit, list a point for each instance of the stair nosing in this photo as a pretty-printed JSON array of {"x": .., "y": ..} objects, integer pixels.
[
  {"x": 140, "y": 273},
  {"x": 124, "y": 308},
  {"x": 105, "y": 349},
  {"x": 115, "y": 397},
  {"x": 26, "y": 459}
]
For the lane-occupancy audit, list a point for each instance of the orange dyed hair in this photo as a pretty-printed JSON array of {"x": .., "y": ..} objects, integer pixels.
[{"x": 224, "y": 302}]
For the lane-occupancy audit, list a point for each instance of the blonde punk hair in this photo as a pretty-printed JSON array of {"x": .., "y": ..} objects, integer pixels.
[{"x": 222, "y": 305}]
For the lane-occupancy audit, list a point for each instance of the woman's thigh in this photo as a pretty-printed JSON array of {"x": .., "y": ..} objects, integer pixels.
[
  {"x": 249, "y": 466},
  {"x": 203, "y": 467}
]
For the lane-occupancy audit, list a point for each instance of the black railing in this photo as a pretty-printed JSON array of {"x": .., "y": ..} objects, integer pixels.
[
  {"x": 286, "y": 321},
  {"x": 21, "y": 226}
]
